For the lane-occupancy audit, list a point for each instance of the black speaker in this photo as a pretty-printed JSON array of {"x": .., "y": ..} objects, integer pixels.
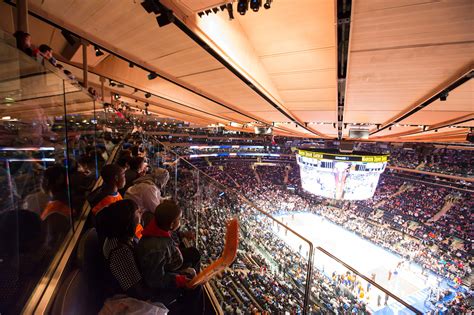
[{"x": 470, "y": 137}]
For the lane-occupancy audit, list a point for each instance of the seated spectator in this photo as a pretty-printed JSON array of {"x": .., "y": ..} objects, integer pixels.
[
  {"x": 117, "y": 225},
  {"x": 56, "y": 216},
  {"x": 124, "y": 158},
  {"x": 23, "y": 43},
  {"x": 160, "y": 259},
  {"x": 21, "y": 257},
  {"x": 137, "y": 169},
  {"x": 46, "y": 53},
  {"x": 146, "y": 191},
  {"x": 114, "y": 179}
]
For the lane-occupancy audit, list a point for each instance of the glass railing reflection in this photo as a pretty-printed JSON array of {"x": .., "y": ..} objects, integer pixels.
[{"x": 50, "y": 155}]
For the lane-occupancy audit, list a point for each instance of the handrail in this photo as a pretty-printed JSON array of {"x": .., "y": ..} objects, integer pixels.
[
  {"x": 309, "y": 268},
  {"x": 375, "y": 284}
]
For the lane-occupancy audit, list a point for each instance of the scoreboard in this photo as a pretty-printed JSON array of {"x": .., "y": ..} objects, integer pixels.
[{"x": 331, "y": 174}]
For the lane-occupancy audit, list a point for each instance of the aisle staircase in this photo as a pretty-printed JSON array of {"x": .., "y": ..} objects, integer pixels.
[
  {"x": 400, "y": 191},
  {"x": 257, "y": 176},
  {"x": 287, "y": 174},
  {"x": 451, "y": 201},
  {"x": 420, "y": 166}
]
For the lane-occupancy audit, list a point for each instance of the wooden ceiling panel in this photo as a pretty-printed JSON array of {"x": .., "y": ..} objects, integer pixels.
[
  {"x": 363, "y": 116},
  {"x": 224, "y": 84},
  {"x": 305, "y": 80},
  {"x": 323, "y": 105},
  {"x": 381, "y": 24},
  {"x": 428, "y": 117},
  {"x": 270, "y": 115},
  {"x": 395, "y": 130},
  {"x": 310, "y": 95},
  {"x": 310, "y": 115},
  {"x": 291, "y": 26},
  {"x": 186, "y": 62},
  {"x": 323, "y": 58},
  {"x": 398, "y": 79}
]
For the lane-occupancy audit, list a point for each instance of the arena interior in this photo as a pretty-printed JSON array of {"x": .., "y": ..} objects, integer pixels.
[{"x": 236, "y": 157}]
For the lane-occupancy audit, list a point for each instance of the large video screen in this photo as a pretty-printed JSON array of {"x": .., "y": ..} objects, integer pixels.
[{"x": 340, "y": 176}]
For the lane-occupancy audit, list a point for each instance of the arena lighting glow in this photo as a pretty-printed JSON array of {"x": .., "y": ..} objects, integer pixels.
[
  {"x": 330, "y": 174},
  {"x": 199, "y": 147},
  {"x": 27, "y": 149},
  {"x": 227, "y": 154},
  {"x": 32, "y": 160}
]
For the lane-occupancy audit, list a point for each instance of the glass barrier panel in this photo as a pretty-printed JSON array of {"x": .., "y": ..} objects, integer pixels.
[
  {"x": 267, "y": 275},
  {"x": 36, "y": 208}
]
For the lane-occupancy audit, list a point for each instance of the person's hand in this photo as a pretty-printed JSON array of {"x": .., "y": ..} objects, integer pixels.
[
  {"x": 190, "y": 273},
  {"x": 189, "y": 235}
]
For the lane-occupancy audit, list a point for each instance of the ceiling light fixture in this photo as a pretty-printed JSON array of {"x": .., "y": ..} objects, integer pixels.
[
  {"x": 268, "y": 4},
  {"x": 166, "y": 17},
  {"x": 151, "y": 6},
  {"x": 148, "y": 95},
  {"x": 98, "y": 52},
  {"x": 242, "y": 6},
  {"x": 443, "y": 96},
  {"x": 152, "y": 75},
  {"x": 255, "y": 5}
]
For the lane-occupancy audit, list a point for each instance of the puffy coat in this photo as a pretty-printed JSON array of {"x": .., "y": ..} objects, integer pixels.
[{"x": 145, "y": 193}]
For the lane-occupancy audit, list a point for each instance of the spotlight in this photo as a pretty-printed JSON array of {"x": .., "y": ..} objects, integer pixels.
[
  {"x": 166, "y": 17},
  {"x": 230, "y": 10},
  {"x": 146, "y": 104},
  {"x": 208, "y": 12},
  {"x": 112, "y": 83},
  {"x": 147, "y": 95},
  {"x": 334, "y": 125},
  {"x": 131, "y": 65},
  {"x": 215, "y": 10},
  {"x": 152, "y": 75},
  {"x": 151, "y": 6},
  {"x": 390, "y": 128},
  {"x": 201, "y": 14},
  {"x": 443, "y": 96},
  {"x": 242, "y": 6},
  {"x": 223, "y": 7},
  {"x": 98, "y": 52},
  {"x": 268, "y": 4},
  {"x": 255, "y": 5},
  {"x": 116, "y": 96}
]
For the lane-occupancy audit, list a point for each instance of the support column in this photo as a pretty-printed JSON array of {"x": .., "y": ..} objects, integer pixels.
[
  {"x": 85, "y": 67},
  {"x": 102, "y": 88},
  {"x": 22, "y": 15}
]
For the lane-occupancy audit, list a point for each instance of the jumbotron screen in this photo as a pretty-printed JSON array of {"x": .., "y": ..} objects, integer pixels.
[{"x": 335, "y": 175}]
